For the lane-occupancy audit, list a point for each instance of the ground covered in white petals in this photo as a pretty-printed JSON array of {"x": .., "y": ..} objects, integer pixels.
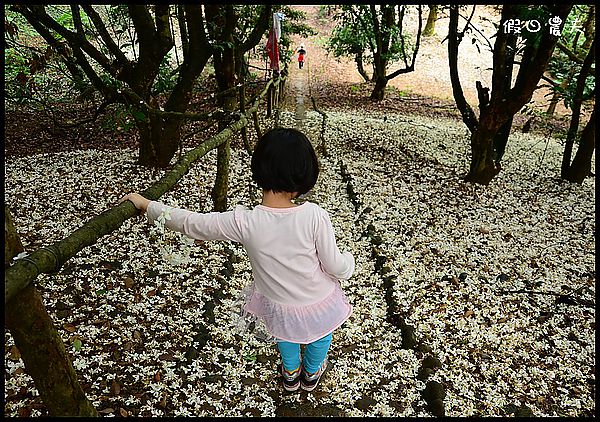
[{"x": 498, "y": 282}]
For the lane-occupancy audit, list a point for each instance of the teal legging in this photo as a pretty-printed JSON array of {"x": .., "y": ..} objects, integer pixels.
[{"x": 314, "y": 354}]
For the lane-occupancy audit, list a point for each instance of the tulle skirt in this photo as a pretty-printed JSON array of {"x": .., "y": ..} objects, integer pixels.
[{"x": 271, "y": 321}]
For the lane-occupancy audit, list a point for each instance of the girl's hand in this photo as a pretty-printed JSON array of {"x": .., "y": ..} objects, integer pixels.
[{"x": 138, "y": 200}]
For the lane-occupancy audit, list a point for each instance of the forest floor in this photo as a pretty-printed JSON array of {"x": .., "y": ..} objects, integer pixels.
[{"x": 496, "y": 283}]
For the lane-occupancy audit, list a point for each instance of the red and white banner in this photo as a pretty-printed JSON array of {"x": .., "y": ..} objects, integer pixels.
[{"x": 273, "y": 50}]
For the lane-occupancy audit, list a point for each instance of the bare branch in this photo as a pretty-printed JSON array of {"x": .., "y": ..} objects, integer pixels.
[{"x": 108, "y": 40}]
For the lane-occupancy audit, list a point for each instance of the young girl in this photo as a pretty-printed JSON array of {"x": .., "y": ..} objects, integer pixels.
[{"x": 295, "y": 261}]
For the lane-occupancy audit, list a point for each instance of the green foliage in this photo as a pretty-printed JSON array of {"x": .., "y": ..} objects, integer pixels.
[
  {"x": 166, "y": 78},
  {"x": 16, "y": 75},
  {"x": 529, "y": 13},
  {"x": 122, "y": 119},
  {"x": 64, "y": 16},
  {"x": 561, "y": 65},
  {"x": 355, "y": 35},
  {"x": 352, "y": 34},
  {"x": 35, "y": 73}
]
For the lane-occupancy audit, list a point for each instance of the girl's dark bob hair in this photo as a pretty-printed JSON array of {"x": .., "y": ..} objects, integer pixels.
[{"x": 284, "y": 160}]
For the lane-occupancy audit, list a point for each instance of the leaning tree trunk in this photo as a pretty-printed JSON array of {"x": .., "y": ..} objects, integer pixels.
[
  {"x": 358, "y": 58},
  {"x": 576, "y": 110},
  {"x": 581, "y": 166},
  {"x": 40, "y": 345},
  {"x": 501, "y": 137},
  {"x": 431, "y": 18}
]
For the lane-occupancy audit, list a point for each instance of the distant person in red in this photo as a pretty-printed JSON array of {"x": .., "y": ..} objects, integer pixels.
[{"x": 301, "y": 53}]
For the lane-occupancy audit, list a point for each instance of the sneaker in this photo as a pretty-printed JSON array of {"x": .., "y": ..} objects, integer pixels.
[
  {"x": 291, "y": 380},
  {"x": 309, "y": 381}
]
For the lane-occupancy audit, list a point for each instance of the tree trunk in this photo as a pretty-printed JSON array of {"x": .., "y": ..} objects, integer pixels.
[
  {"x": 501, "y": 137},
  {"x": 500, "y": 140},
  {"x": 40, "y": 345},
  {"x": 12, "y": 242},
  {"x": 359, "y": 65},
  {"x": 497, "y": 108},
  {"x": 581, "y": 166},
  {"x": 576, "y": 111},
  {"x": 159, "y": 140},
  {"x": 224, "y": 61},
  {"x": 379, "y": 89},
  {"x": 431, "y": 18},
  {"x": 482, "y": 169},
  {"x": 379, "y": 77}
]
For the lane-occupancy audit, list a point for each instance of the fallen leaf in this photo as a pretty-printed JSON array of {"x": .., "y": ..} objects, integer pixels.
[
  {"x": 123, "y": 412},
  {"x": 15, "y": 354},
  {"x": 166, "y": 356},
  {"x": 129, "y": 282},
  {"x": 115, "y": 388},
  {"x": 163, "y": 401},
  {"x": 106, "y": 411},
  {"x": 70, "y": 328},
  {"x": 151, "y": 293},
  {"x": 157, "y": 377},
  {"x": 24, "y": 412},
  {"x": 468, "y": 313},
  {"x": 484, "y": 230}
]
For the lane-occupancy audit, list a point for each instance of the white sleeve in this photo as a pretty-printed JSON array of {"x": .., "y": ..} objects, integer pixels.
[
  {"x": 338, "y": 264},
  {"x": 202, "y": 226}
]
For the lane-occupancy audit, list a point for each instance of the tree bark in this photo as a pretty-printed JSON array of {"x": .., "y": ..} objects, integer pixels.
[
  {"x": 454, "y": 39},
  {"x": 500, "y": 139},
  {"x": 358, "y": 58},
  {"x": 431, "y": 19},
  {"x": 379, "y": 56},
  {"x": 224, "y": 19},
  {"x": 581, "y": 166},
  {"x": 12, "y": 242},
  {"x": 576, "y": 110},
  {"x": 40, "y": 345},
  {"x": 379, "y": 88},
  {"x": 482, "y": 168}
]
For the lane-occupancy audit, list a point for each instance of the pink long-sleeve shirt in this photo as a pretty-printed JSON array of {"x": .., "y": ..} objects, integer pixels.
[{"x": 295, "y": 262}]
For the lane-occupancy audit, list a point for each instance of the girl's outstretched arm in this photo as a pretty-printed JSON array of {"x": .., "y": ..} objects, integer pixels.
[{"x": 200, "y": 226}]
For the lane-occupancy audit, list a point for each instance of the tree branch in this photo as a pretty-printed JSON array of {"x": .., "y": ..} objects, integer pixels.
[
  {"x": 108, "y": 40},
  {"x": 465, "y": 109},
  {"x": 569, "y": 53},
  {"x": 75, "y": 40},
  {"x": 257, "y": 33}
]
